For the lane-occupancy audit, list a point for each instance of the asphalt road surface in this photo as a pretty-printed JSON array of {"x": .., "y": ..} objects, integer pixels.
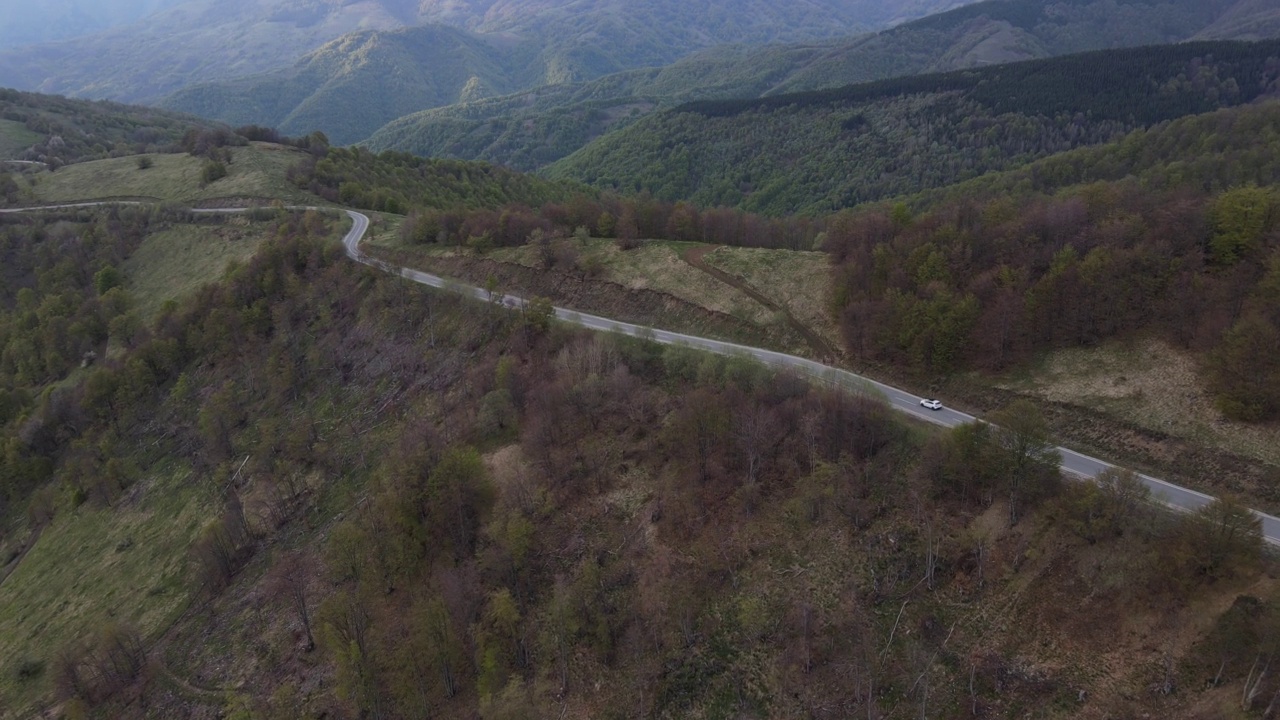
[{"x": 1074, "y": 463}]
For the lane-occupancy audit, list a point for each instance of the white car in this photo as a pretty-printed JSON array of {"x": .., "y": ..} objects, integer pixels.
[{"x": 931, "y": 404}]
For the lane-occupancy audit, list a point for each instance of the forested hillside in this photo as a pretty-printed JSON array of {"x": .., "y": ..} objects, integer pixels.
[
  {"x": 1140, "y": 216},
  {"x": 1215, "y": 151},
  {"x": 359, "y": 82},
  {"x": 483, "y": 513},
  {"x": 1248, "y": 20},
  {"x": 821, "y": 151},
  {"x": 529, "y": 130},
  {"x": 192, "y": 41},
  {"x": 1103, "y": 259},
  {"x": 398, "y": 183},
  {"x": 309, "y": 488},
  {"x": 1014, "y": 30},
  {"x": 58, "y": 131},
  {"x": 63, "y": 293}
]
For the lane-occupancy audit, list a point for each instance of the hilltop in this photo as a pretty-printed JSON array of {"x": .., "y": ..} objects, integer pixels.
[
  {"x": 58, "y": 131},
  {"x": 359, "y": 82}
]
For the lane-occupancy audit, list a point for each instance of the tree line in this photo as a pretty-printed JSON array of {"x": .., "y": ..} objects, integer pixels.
[
  {"x": 987, "y": 283},
  {"x": 626, "y": 219},
  {"x": 396, "y": 182},
  {"x": 78, "y": 130},
  {"x": 821, "y": 152}
]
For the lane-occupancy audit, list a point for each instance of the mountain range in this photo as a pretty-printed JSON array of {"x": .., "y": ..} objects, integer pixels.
[
  {"x": 208, "y": 40},
  {"x": 820, "y": 151},
  {"x": 532, "y": 129},
  {"x": 30, "y": 23}
]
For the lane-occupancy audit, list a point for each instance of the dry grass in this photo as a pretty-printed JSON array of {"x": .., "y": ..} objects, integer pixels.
[
  {"x": 798, "y": 281},
  {"x": 257, "y": 171},
  {"x": 655, "y": 265},
  {"x": 384, "y": 230},
  {"x": 1148, "y": 383},
  {"x": 658, "y": 266}
]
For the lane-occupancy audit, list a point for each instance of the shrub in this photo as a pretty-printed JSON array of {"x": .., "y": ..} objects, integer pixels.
[
  {"x": 213, "y": 172},
  {"x": 30, "y": 669}
]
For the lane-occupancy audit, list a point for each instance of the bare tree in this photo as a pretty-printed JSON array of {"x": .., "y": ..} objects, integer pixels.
[
  {"x": 1253, "y": 683},
  {"x": 288, "y": 583},
  {"x": 753, "y": 428}
]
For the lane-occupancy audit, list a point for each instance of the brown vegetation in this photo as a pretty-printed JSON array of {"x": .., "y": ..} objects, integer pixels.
[{"x": 986, "y": 284}]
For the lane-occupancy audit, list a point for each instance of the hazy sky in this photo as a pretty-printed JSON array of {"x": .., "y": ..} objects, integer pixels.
[{"x": 25, "y": 22}]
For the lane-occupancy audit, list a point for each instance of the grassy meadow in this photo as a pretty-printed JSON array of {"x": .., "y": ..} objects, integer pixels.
[
  {"x": 798, "y": 281},
  {"x": 14, "y": 138},
  {"x": 256, "y": 172},
  {"x": 178, "y": 260},
  {"x": 94, "y": 566}
]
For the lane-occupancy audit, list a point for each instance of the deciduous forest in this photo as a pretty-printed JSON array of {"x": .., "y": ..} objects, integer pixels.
[
  {"x": 311, "y": 488},
  {"x": 822, "y": 151}
]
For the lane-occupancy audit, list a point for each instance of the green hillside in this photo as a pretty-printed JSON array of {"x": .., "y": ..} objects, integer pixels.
[
  {"x": 354, "y": 85},
  {"x": 58, "y": 130},
  {"x": 307, "y": 488},
  {"x": 358, "y": 83},
  {"x": 1248, "y": 20},
  {"x": 15, "y": 139},
  {"x": 1218, "y": 151},
  {"x": 529, "y": 130},
  {"x": 189, "y": 42},
  {"x": 826, "y": 150},
  {"x": 254, "y": 172},
  {"x": 534, "y": 128},
  {"x": 383, "y": 501},
  {"x": 1012, "y": 30}
]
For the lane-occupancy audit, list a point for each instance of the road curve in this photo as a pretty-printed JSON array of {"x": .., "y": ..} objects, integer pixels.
[{"x": 1074, "y": 463}]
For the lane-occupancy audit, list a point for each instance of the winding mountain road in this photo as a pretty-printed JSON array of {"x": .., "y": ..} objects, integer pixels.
[{"x": 1074, "y": 463}]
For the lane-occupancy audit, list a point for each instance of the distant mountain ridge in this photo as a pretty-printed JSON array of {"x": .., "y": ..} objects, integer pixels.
[
  {"x": 532, "y": 129},
  {"x": 29, "y": 23},
  {"x": 197, "y": 40},
  {"x": 821, "y": 151},
  {"x": 210, "y": 40},
  {"x": 357, "y": 83}
]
